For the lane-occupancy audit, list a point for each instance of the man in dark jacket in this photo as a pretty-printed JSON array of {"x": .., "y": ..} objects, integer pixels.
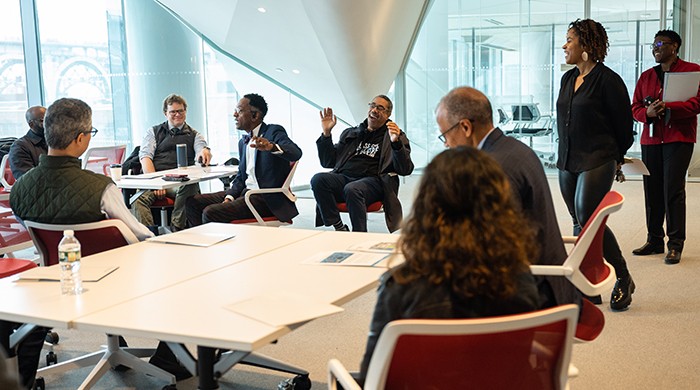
[
  {"x": 265, "y": 155},
  {"x": 465, "y": 118},
  {"x": 25, "y": 152},
  {"x": 365, "y": 163}
]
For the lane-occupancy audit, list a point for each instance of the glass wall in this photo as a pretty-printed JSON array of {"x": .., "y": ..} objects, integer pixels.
[
  {"x": 83, "y": 56},
  {"x": 13, "y": 84},
  {"x": 511, "y": 50}
]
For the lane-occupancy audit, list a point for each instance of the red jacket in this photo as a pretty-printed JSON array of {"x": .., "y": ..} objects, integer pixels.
[{"x": 683, "y": 124}]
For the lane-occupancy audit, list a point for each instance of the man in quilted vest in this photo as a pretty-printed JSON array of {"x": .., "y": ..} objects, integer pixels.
[
  {"x": 58, "y": 191},
  {"x": 159, "y": 152}
]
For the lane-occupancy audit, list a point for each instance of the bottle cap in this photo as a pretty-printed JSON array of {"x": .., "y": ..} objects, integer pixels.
[{"x": 68, "y": 233}]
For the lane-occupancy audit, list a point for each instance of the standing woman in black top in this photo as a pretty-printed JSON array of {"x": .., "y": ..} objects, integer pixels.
[{"x": 594, "y": 122}]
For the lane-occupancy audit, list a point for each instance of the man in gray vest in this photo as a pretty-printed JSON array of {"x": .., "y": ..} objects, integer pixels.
[
  {"x": 25, "y": 152},
  {"x": 58, "y": 191},
  {"x": 159, "y": 152}
]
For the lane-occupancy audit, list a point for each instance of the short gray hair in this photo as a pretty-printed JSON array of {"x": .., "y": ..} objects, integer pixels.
[
  {"x": 65, "y": 119},
  {"x": 467, "y": 103}
]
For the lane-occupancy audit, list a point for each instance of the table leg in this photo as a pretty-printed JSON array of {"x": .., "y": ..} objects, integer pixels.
[{"x": 206, "y": 358}]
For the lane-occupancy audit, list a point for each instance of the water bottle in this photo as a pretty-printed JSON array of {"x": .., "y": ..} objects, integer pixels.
[{"x": 69, "y": 259}]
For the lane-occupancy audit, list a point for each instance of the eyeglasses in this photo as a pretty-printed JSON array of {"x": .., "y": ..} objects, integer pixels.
[
  {"x": 658, "y": 44},
  {"x": 378, "y": 107},
  {"x": 92, "y": 131},
  {"x": 176, "y": 112},
  {"x": 442, "y": 138},
  {"x": 238, "y": 111}
]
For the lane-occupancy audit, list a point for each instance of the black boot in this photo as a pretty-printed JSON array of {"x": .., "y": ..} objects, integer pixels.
[{"x": 622, "y": 293}]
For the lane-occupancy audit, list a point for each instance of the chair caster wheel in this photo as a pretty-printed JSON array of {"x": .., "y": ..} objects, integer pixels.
[
  {"x": 52, "y": 338},
  {"x": 39, "y": 384},
  {"x": 51, "y": 358},
  {"x": 299, "y": 382}
]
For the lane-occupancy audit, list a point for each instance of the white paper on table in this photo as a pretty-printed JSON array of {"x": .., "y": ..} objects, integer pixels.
[
  {"x": 88, "y": 273},
  {"x": 347, "y": 258},
  {"x": 282, "y": 308},
  {"x": 192, "y": 239},
  {"x": 681, "y": 86},
  {"x": 375, "y": 246},
  {"x": 634, "y": 166}
]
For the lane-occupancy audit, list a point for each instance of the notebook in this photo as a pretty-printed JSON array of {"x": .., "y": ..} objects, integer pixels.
[{"x": 89, "y": 273}]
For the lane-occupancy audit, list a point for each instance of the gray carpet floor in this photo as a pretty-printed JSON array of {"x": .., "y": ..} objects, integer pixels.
[{"x": 654, "y": 345}]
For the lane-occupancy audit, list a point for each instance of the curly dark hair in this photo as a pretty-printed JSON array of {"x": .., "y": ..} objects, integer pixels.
[
  {"x": 257, "y": 101},
  {"x": 464, "y": 229},
  {"x": 672, "y": 35},
  {"x": 592, "y": 37}
]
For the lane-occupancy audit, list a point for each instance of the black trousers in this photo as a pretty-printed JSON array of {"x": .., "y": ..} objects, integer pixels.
[
  {"x": 28, "y": 351},
  {"x": 205, "y": 208},
  {"x": 330, "y": 188},
  {"x": 583, "y": 192},
  {"x": 664, "y": 191}
]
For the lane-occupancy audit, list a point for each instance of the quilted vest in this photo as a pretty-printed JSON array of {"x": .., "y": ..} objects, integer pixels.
[
  {"x": 58, "y": 191},
  {"x": 165, "y": 156}
]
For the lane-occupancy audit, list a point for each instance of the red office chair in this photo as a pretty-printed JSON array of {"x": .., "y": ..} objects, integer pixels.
[
  {"x": 7, "y": 179},
  {"x": 163, "y": 204},
  {"x": 94, "y": 237},
  {"x": 372, "y": 208},
  {"x": 100, "y": 158},
  {"x": 524, "y": 351},
  {"x": 585, "y": 266},
  {"x": 286, "y": 189}
]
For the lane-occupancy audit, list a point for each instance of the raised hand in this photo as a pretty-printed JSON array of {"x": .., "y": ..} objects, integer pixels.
[
  {"x": 394, "y": 131},
  {"x": 328, "y": 121}
]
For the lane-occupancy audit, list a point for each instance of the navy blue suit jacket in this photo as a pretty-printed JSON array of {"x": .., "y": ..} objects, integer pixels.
[{"x": 271, "y": 170}]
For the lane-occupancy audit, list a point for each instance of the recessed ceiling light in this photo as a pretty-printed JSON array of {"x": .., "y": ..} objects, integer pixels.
[
  {"x": 279, "y": 69},
  {"x": 296, "y": 71},
  {"x": 262, "y": 10}
]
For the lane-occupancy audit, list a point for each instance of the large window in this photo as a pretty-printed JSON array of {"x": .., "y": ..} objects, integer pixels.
[
  {"x": 13, "y": 85},
  {"x": 82, "y": 56}
]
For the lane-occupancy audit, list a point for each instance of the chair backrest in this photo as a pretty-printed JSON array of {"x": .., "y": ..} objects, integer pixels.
[
  {"x": 526, "y": 112},
  {"x": 100, "y": 158},
  {"x": 288, "y": 181},
  {"x": 13, "y": 236},
  {"x": 524, "y": 351},
  {"x": 94, "y": 237},
  {"x": 7, "y": 179},
  {"x": 587, "y": 254}
]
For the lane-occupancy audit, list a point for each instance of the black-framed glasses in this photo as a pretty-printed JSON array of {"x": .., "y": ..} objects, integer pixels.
[
  {"x": 177, "y": 112},
  {"x": 92, "y": 131},
  {"x": 378, "y": 107},
  {"x": 442, "y": 138},
  {"x": 658, "y": 44}
]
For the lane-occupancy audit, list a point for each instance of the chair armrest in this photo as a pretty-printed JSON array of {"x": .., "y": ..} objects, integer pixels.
[
  {"x": 286, "y": 191},
  {"x": 337, "y": 373},
  {"x": 550, "y": 270},
  {"x": 569, "y": 239}
]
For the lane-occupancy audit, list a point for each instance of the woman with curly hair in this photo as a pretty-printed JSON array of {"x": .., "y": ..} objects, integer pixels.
[
  {"x": 594, "y": 122},
  {"x": 467, "y": 249}
]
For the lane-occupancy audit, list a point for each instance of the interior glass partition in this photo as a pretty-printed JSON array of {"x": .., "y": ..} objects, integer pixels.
[{"x": 511, "y": 50}]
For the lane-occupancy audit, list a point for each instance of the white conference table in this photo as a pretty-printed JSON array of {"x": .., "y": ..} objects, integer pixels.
[
  {"x": 194, "y": 312},
  {"x": 196, "y": 174},
  {"x": 144, "y": 267}
]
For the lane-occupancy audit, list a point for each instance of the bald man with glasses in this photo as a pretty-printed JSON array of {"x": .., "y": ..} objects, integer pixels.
[{"x": 25, "y": 151}]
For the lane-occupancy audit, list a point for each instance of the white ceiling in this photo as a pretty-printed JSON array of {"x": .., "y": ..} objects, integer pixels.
[{"x": 346, "y": 51}]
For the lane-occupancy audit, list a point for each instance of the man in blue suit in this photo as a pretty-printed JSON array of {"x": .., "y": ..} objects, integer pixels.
[
  {"x": 265, "y": 153},
  {"x": 465, "y": 117}
]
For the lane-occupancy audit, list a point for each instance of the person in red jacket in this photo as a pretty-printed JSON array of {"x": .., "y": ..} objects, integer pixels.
[{"x": 667, "y": 146}]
